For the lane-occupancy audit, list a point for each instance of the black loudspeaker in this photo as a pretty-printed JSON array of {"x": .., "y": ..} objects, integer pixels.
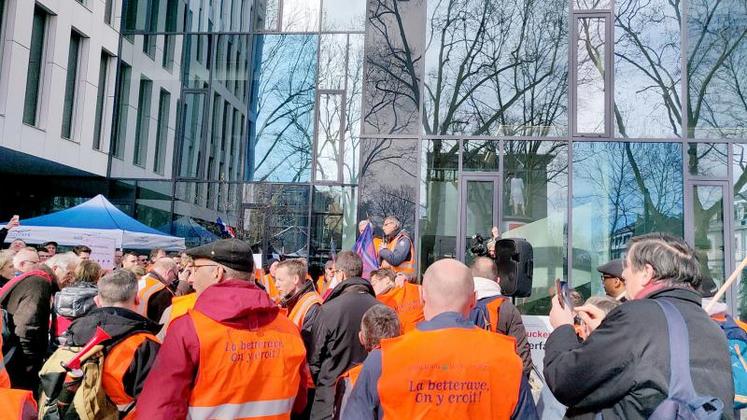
[{"x": 515, "y": 261}]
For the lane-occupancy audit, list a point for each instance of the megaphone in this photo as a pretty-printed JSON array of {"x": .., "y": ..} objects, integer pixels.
[{"x": 91, "y": 347}]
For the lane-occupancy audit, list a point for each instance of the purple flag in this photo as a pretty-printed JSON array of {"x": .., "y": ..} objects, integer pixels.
[{"x": 364, "y": 247}]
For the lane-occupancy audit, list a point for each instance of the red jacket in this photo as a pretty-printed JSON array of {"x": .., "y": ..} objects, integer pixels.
[{"x": 236, "y": 303}]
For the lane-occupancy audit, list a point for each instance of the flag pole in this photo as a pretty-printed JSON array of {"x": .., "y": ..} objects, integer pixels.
[{"x": 721, "y": 291}]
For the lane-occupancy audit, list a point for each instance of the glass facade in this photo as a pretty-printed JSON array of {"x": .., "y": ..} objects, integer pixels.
[{"x": 573, "y": 125}]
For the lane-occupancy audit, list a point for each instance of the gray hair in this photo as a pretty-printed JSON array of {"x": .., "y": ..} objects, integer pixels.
[
  {"x": 62, "y": 261},
  {"x": 605, "y": 303},
  {"x": 119, "y": 286},
  {"x": 671, "y": 258},
  {"x": 349, "y": 263},
  {"x": 379, "y": 322},
  {"x": 395, "y": 220}
]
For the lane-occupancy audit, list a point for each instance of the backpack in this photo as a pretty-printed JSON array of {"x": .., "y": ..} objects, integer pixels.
[
  {"x": 75, "y": 301},
  {"x": 78, "y": 394},
  {"x": 737, "y": 338},
  {"x": 486, "y": 313},
  {"x": 682, "y": 401}
]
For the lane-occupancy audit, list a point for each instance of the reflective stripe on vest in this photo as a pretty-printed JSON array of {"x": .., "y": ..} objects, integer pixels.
[
  {"x": 453, "y": 382},
  {"x": 246, "y": 373},
  {"x": 406, "y": 302},
  {"x": 245, "y": 410},
  {"x": 152, "y": 286},
  {"x": 299, "y": 311},
  {"x": 17, "y": 404},
  {"x": 116, "y": 364},
  {"x": 494, "y": 310},
  {"x": 180, "y": 305},
  {"x": 407, "y": 267}
]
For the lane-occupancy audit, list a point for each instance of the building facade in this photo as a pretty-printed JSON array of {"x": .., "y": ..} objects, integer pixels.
[{"x": 574, "y": 124}]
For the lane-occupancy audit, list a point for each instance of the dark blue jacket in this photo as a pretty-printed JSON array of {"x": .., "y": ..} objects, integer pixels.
[{"x": 364, "y": 402}]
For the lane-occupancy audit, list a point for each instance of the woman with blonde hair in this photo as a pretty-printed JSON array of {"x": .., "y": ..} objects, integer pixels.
[{"x": 6, "y": 267}]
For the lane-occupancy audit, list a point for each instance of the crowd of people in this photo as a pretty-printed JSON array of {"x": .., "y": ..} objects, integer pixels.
[{"x": 205, "y": 334}]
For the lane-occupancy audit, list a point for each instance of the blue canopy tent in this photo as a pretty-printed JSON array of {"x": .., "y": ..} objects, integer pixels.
[
  {"x": 194, "y": 233},
  {"x": 96, "y": 216}
]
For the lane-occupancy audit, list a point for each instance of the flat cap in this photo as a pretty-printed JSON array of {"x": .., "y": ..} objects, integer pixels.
[
  {"x": 613, "y": 268},
  {"x": 233, "y": 253}
]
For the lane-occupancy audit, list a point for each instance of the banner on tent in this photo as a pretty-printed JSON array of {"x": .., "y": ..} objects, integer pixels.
[
  {"x": 63, "y": 236},
  {"x": 102, "y": 249}
]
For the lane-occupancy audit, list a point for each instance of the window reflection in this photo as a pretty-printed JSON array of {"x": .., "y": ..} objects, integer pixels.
[
  {"x": 707, "y": 159},
  {"x": 332, "y": 54},
  {"x": 739, "y": 180},
  {"x": 343, "y": 15},
  {"x": 283, "y": 100},
  {"x": 496, "y": 69},
  {"x": 328, "y": 143},
  {"x": 353, "y": 95},
  {"x": 717, "y": 69},
  {"x": 276, "y": 218},
  {"x": 388, "y": 180},
  {"x": 394, "y": 66},
  {"x": 621, "y": 190},
  {"x": 480, "y": 155},
  {"x": 333, "y": 220},
  {"x": 439, "y": 200},
  {"x": 647, "y": 68},
  {"x": 301, "y": 15},
  {"x": 591, "y": 63},
  {"x": 535, "y": 200},
  {"x": 591, "y": 4}
]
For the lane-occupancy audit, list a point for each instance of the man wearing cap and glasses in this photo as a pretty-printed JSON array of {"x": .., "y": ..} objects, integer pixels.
[
  {"x": 232, "y": 356},
  {"x": 612, "y": 280}
]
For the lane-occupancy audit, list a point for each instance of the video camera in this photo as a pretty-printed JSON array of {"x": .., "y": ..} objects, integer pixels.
[{"x": 514, "y": 258}]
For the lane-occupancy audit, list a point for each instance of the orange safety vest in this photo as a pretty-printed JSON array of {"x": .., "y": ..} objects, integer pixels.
[
  {"x": 321, "y": 285},
  {"x": 344, "y": 388},
  {"x": 246, "y": 374},
  {"x": 180, "y": 305},
  {"x": 149, "y": 287},
  {"x": 17, "y": 404},
  {"x": 406, "y": 302},
  {"x": 351, "y": 376},
  {"x": 116, "y": 364},
  {"x": 451, "y": 383},
  {"x": 269, "y": 284},
  {"x": 299, "y": 311},
  {"x": 494, "y": 311},
  {"x": 407, "y": 267}
]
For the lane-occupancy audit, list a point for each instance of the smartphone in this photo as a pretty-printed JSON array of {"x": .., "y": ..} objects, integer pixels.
[{"x": 564, "y": 294}]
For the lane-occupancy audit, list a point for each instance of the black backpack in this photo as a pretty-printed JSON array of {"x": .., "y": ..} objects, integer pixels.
[{"x": 683, "y": 402}]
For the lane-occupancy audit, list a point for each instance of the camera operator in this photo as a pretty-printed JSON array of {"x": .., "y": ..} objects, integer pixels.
[{"x": 482, "y": 248}]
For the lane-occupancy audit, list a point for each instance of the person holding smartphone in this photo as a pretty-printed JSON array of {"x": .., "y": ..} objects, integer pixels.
[{"x": 14, "y": 222}]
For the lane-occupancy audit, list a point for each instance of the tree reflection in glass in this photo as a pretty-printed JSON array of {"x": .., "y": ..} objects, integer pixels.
[
  {"x": 717, "y": 68},
  {"x": 647, "y": 68},
  {"x": 388, "y": 180},
  {"x": 621, "y": 190},
  {"x": 283, "y": 99},
  {"x": 496, "y": 67},
  {"x": 394, "y": 66}
]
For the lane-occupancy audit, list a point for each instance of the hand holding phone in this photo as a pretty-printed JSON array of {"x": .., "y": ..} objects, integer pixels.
[
  {"x": 564, "y": 294},
  {"x": 14, "y": 222}
]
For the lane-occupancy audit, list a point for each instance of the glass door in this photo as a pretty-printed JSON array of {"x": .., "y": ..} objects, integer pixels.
[
  {"x": 705, "y": 228},
  {"x": 479, "y": 211}
]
